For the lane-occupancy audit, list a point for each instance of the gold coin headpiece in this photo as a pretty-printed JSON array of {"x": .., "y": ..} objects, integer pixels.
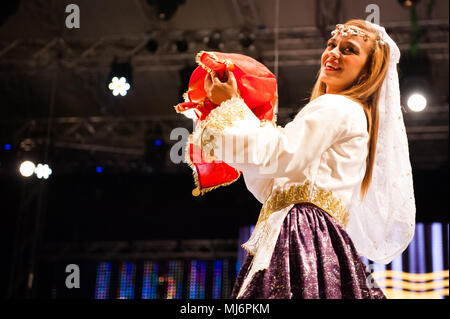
[{"x": 351, "y": 30}]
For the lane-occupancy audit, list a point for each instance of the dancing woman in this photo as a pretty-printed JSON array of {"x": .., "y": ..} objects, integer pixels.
[{"x": 335, "y": 183}]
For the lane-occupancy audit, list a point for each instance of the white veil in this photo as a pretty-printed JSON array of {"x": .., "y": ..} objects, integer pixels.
[{"x": 382, "y": 225}]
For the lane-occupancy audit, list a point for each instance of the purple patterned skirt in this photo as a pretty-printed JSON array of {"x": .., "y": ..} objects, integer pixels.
[{"x": 313, "y": 258}]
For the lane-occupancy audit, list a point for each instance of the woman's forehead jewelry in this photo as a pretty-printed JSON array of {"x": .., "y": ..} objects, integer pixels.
[{"x": 350, "y": 30}]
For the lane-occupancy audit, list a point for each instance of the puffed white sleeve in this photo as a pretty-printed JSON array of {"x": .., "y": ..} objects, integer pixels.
[
  {"x": 259, "y": 186},
  {"x": 233, "y": 134}
]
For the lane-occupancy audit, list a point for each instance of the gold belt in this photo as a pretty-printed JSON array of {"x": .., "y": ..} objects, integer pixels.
[{"x": 296, "y": 194}]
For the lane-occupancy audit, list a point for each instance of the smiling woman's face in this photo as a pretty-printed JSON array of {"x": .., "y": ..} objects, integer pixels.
[{"x": 343, "y": 60}]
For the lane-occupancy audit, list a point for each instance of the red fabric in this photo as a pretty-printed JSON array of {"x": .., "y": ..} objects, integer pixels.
[{"x": 258, "y": 88}]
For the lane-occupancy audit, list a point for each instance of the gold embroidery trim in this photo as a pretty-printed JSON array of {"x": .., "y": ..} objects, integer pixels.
[
  {"x": 228, "y": 63},
  {"x": 228, "y": 112},
  {"x": 220, "y": 118},
  {"x": 296, "y": 194}
]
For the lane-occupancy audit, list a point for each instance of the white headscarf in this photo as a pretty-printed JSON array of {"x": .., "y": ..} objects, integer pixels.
[{"x": 382, "y": 225}]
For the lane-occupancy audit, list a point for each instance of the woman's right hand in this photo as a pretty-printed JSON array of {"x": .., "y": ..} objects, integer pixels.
[{"x": 218, "y": 91}]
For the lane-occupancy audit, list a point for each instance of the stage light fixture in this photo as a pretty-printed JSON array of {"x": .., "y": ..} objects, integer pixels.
[
  {"x": 165, "y": 9},
  {"x": 7, "y": 147},
  {"x": 43, "y": 171},
  {"x": 120, "y": 78},
  {"x": 27, "y": 144},
  {"x": 152, "y": 45},
  {"x": 408, "y": 3},
  {"x": 417, "y": 102},
  {"x": 27, "y": 168},
  {"x": 182, "y": 45},
  {"x": 119, "y": 86},
  {"x": 416, "y": 81},
  {"x": 99, "y": 169},
  {"x": 214, "y": 40},
  {"x": 246, "y": 38}
]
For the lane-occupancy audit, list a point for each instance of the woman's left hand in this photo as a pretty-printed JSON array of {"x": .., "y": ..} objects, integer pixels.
[{"x": 218, "y": 91}]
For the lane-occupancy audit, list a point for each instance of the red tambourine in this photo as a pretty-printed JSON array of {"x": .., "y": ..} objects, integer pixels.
[{"x": 258, "y": 88}]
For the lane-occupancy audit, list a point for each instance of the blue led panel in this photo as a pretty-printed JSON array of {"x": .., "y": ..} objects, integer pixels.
[
  {"x": 150, "y": 280},
  {"x": 102, "y": 281},
  {"x": 127, "y": 279},
  {"x": 217, "y": 279}
]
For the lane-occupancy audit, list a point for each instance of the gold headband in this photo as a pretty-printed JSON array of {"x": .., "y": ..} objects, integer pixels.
[{"x": 351, "y": 30}]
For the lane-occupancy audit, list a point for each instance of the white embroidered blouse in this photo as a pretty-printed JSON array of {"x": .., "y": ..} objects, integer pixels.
[{"x": 319, "y": 157}]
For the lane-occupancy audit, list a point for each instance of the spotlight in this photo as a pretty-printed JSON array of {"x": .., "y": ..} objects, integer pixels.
[
  {"x": 99, "y": 169},
  {"x": 43, "y": 171},
  {"x": 416, "y": 81},
  {"x": 119, "y": 86},
  {"x": 26, "y": 169},
  {"x": 417, "y": 102},
  {"x": 416, "y": 92},
  {"x": 158, "y": 142},
  {"x": 120, "y": 78},
  {"x": 7, "y": 147}
]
